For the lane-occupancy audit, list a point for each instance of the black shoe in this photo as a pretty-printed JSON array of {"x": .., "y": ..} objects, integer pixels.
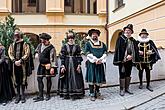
[
  {"x": 92, "y": 98},
  {"x": 47, "y": 97},
  {"x": 140, "y": 86},
  {"x": 23, "y": 99},
  {"x": 4, "y": 103},
  {"x": 38, "y": 98},
  {"x": 18, "y": 98},
  {"x": 129, "y": 92},
  {"x": 73, "y": 98},
  {"x": 122, "y": 92},
  {"x": 99, "y": 96},
  {"x": 61, "y": 95},
  {"x": 150, "y": 88},
  {"x": 66, "y": 97}
]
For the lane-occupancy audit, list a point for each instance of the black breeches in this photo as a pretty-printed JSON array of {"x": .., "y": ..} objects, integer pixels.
[
  {"x": 18, "y": 72},
  {"x": 125, "y": 69},
  {"x": 147, "y": 70}
]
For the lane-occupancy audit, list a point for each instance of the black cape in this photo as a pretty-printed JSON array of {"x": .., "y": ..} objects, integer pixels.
[
  {"x": 155, "y": 56},
  {"x": 120, "y": 49}
]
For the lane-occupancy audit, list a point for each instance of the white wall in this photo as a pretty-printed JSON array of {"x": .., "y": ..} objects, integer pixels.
[
  {"x": 112, "y": 75},
  {"x": 131, "y": 6}
]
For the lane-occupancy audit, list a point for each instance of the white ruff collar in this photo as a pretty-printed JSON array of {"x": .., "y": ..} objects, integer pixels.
[{"x": 143, "y": 40}]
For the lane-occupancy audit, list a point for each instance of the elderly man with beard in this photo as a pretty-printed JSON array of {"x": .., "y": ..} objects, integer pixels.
[
  {"x": 148, "y": 56},
  {"x": 19, "y": 52},
  {"x": 96, "y": 58},
  {"x": 126, "y": 54}
]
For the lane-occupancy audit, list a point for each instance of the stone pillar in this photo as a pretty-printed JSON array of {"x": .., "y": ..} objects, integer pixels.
[
  {"x": 5, "y": 8},
  {"x": 101, "y": 10},
  {"x": 55, "y": 11}
]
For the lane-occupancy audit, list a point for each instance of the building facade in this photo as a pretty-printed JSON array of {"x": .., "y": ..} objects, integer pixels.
[
  {"x": 147, "y": 14},
  {"x": 56, "y": 17}
]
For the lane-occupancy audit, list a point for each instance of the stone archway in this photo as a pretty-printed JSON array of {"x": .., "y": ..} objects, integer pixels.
[
  {"x": 34, "y": 38},
  {"x": 114, "y": 39}
]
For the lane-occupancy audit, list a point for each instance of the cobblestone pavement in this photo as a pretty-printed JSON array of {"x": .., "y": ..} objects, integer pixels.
[
  {"x": 157, "y": 103},
  {"x": 112, "y": 100}
]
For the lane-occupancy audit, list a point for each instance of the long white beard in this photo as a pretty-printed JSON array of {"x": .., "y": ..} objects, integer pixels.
[{"x": 143, "y": 40}]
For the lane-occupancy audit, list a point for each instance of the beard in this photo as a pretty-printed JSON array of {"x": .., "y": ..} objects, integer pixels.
[
  {"x": 17, "y": 39},
  {"x": 95, "y": 38}
]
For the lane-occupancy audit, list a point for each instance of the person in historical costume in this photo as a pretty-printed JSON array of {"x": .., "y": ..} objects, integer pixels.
[
  {"x": 95, "y": 64},
  {"x": 6, "y": 86},
  {"x": 126, "y": 55},
  {"x": 19, "y": 52},
  {"x": 46, "y": 54},
  {"x": 148, "y": 56},
  {"x": 71, "y": 83}
]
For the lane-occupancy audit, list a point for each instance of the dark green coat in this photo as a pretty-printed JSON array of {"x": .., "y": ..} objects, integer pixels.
[{"x": 95, "y": 74}]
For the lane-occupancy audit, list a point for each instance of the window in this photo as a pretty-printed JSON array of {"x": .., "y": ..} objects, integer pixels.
[
  {"x": 31, "y": 2},
  {"x": 28, "y": 6},
  {"x": 68, "y": 2},
  {"x": 118, "y": 4},
  {"x": 80, "y": 6}
]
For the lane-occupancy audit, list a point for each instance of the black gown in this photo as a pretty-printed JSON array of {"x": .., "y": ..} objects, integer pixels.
[
  {"x": 6, "y": 86},
  {"x": 71, "y": 82}
]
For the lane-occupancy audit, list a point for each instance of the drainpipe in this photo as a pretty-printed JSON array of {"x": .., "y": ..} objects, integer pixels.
[{"x": 106, "y": 25}]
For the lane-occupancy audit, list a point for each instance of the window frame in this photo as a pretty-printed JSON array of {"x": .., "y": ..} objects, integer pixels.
[
  {"x": 118, "y": 5},
  {"x": 31, "y": 3}
]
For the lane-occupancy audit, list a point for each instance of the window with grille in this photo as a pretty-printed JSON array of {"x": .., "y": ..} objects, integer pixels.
[
  {"x": 80, "y": 6},
  {"x": 28, "y": 6},
  {"x": 118, "y": 4},
  {"x": 31, "y": 2}
]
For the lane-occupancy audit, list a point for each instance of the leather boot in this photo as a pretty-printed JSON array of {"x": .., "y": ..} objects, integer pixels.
[
  {"x": 127, "y": 83},
  {"x": 49, "y": 84},
  {"x": 148, "y": 80},
  {"x": 23, "y": 94},
  {"x": 122, "y": 85},
  {"x": 40, "y": 96},
  {"x": 18, "y": 96}
]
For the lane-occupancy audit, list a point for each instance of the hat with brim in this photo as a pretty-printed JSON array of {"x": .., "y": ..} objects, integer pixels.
[
  {"x": 45, "y": 36},
  {"x": 129, "y": 26},
  {"x": 17, "y": 32},
  {"x": 93, "y": 31},
  {"x": 143, "y": 31},
  {"x": 70, "y": 35}
]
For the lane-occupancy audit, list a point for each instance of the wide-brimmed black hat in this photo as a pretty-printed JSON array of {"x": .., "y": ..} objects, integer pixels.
[
  {"x": 45, "y": 36},
  {"x": 143, "y": 31},
  {"x": 129, "y": 26},
  {"x": 93, "y": 31}
]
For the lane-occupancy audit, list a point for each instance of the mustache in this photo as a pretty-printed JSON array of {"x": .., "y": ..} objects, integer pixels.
[{"x": 94, "y": 38}]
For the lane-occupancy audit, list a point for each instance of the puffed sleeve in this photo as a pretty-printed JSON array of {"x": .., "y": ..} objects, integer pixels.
[
  {"x": 26, "y": 49},
  {"x": 11, "y": 53},
  {"x": 53, "y": 58}
]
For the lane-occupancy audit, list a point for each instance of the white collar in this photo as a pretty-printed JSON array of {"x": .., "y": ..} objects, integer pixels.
[
  {"x": 127, "y": 37},
  {"x": 143, "y": 40},
  {"x": 95, "y": 42},
  {"x": 70, "y": 43}
]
